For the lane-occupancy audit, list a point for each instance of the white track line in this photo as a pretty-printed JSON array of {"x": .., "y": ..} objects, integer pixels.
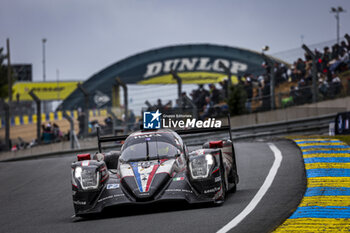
[{"x": 259, "y": 195}]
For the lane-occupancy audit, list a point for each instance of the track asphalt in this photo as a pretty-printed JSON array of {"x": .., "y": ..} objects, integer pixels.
[{"x": 36, "y": 197}]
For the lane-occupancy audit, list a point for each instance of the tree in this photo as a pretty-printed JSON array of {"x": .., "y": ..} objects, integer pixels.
[
  {"x": 3, "y": 76},
  {"x": 236, "y": 100}
]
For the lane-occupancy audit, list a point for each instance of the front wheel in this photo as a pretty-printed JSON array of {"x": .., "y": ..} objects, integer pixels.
[{"x": 221, "y": 199}]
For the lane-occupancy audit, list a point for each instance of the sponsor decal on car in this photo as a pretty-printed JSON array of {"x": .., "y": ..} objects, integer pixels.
[
  {"x": 147, "y": 136},
  {"x": 112, "y": 186},
  {"x": 179, "y": 190},
  {"x": 79, "y": 202},
  {"x": 111, "y": 196},
  {"x": 178, "y": 178},
  {"x": 212, "y": 190},
  {"x": 144, "y": 173},
  {"x": 85, "y": 163},
  {"x": 217, "y": 179},
  {"x": 145, "y": 164}
]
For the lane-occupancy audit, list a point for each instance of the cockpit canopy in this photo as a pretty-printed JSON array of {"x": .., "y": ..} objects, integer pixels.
[{"x": 150, "y": 146}]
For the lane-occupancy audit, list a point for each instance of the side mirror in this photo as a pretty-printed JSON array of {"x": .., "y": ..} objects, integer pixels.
[
  {"x": 178, "y": 153},
  {"x": 111, "y": 159}
]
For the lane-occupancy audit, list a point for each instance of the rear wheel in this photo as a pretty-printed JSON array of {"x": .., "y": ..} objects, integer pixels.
[{"x": 233, "y": 189}]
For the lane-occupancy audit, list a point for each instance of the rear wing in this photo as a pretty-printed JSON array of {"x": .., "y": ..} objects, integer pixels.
[
  {"x": 226, "y": 128},
  {"x": 108, "y": 139}
]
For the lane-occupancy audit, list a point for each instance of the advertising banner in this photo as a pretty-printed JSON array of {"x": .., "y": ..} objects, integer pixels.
[{"x": 44, "y": 90}]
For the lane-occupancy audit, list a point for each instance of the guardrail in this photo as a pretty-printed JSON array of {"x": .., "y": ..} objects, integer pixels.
[
  {"x": 304, "y": 126},
  {"x": 311, "y": 125}
]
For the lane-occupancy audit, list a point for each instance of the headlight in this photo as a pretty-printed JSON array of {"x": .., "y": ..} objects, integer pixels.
[
  {"x": 88, "y": 177},
  {"x": 77, "y": 172},
  {"x": 200, "y": 166}
]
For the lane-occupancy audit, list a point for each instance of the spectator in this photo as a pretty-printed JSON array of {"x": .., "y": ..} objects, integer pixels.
[
  {"x": 335, "y": 51},
  {"x": 57, "y": 134},
  {"x": 81, "y": 120},
  {"x": 177, "y": 103},
  {"x": 301, "y": 68},
  {"x": 107, "y": 128},
  {"x": 305, "y": 92},
  {"x": 132, "y": 120},
  {"x": 343, "y": 46},
  {"x": 208, "y": 108},
  {"x": 196, "y": 92},
  {"x": 323, "y": 87},
  {"x": 159, "y": 105},
  {"x": 336, "y": 85},
  {"x": 202, "y": 94},
  {"x": 278, "y": 74},
  {"x": 296, "y": 73},
  {"x": 214, "y": 94},
  {"x": 43, "y": 128},
  {"x": 266, "y": 103},
  {"x": 48, "y": 127},
  {"x": 224, "y": 85},
  {"x": 326, "y": 57},
  {"x": 294, "y": 93}
]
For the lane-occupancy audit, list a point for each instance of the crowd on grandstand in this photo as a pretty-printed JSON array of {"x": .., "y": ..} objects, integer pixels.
[
  {"x": 330, "y": 62},
  {"x": 208, "y": 102},
  {"x": 51, "y": 133}
]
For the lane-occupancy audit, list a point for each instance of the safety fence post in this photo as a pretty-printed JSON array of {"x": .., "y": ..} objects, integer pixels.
[
  {"x": 271, "y": 64},
  {"x": 314, "y": 73},
  {"x": 6, "y": 107},
  {"x": 126, "y": 110},
  {"x": 38, "y": 115},
  {"x": 86, "y": 109},
  {"x": 114, "y": 121},
  {"x": 228, "y": 73},
  {"x": 179, "y": 83},
  {"x": 71, "y": 131}
]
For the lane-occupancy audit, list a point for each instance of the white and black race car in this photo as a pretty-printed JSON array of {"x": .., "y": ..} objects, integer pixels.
[{"x": 154, "y": 166}]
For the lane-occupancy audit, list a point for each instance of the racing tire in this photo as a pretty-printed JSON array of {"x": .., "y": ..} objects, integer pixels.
[
  {"x": 233, "y": 189},
  {"x": 221, "y": 200}
]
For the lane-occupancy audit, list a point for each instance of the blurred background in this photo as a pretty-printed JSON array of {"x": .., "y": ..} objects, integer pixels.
[{"x": 67, "y": 67}]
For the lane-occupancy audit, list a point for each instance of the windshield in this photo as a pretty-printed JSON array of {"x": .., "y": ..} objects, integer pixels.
[{"x": 138, "y": 151}]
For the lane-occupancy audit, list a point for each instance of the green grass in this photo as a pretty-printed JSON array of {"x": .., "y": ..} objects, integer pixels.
[{"x": 344, "y": 138}]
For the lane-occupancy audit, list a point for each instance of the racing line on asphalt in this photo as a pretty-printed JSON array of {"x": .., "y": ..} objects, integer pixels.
[{"x": 260, "y": 194}]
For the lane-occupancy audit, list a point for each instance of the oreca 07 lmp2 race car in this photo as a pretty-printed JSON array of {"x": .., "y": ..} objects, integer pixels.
[{"x": 154, "y": 166}]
